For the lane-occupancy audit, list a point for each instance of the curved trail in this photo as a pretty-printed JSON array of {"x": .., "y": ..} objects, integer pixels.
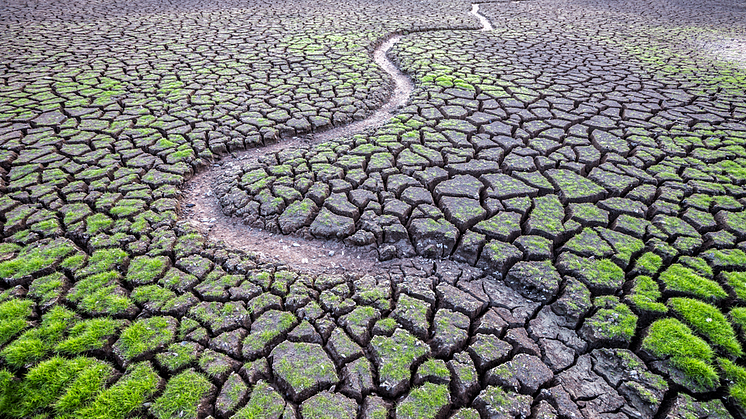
[
  {"x": 201, "y": 208},
  {"x": 486, "y": 25}
]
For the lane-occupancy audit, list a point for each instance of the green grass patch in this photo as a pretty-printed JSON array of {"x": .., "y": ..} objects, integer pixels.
[
  {"x": 726, "y": 258},
  {"x": 736, "y": 377},
  {"x": 64, "y": 384},
  {"x": 600, "y": 275},
  {"x": 47, "y": 288},
  {"x": 182, "y": 395},
  {"x": 35, "y": 344},
  {"x": 698, "y": 264},
  {"x": 152, "y": 296},
  {"x": 146, "y": 335},
  {"x": 14, "y": 316},
  {"x": 87, "y": 385},
  {"x": 178, "y": 355},
  {"x": 35, "y": 258},
  {"x": 682, "y": 279},
  {"x": 89, "y": 335},
  {"x": 97, "y": 223},
  {"x": 434, "y": 367},
  {"x": 672, "y": 340},
  {"x": 264, "y": 402},
  {"x": 8, "y": 390},
  {"x": 9, "y": 249},
  {"x": 738, "y": 317},
  {"x": 399, "y": 352},
  {"x": 424, "y": 402},
  {"x": 645, "y": 295},
  {"x": 737, "y": 281},
  {"x": 137, "y": 386},
  {"x": 74, "y": 262},
  {"x": 268, "y": 327},
  {"x": 104, "y": 260},
  {"x": 708, "y": 321},
  {"x": 145, "y": 270},
  {"x": 588, "y": 243},
  {"x": 613, "y": 321},
  {"x": 100, "y": 294}
]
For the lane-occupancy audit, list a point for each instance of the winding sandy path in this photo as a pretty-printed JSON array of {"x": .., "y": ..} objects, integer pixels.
[{"x": 200, "y": 207}]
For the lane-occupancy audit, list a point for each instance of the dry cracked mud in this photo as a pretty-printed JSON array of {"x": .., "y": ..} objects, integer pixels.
[{"x": 373, "y": 209}]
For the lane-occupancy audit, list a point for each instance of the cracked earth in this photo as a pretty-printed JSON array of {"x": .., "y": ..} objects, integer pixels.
[{"x": 373, "y": 209}]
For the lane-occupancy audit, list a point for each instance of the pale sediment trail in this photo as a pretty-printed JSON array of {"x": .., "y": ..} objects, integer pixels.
[
  {"x": 403, "y": 88},
  {"x": 201, "y": 208},
  {"x": 486, "y": 25}
]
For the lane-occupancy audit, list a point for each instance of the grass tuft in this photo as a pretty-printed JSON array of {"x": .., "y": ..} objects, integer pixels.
[
  {"x": 670, "y": 339},
  {"x": 34, "y": 345},
  {"x": 146, "y": 335},
  {"x": 182, "y": 396},
  {"x": 708, "y": 321},
  {"x": 89, "y": 335},
  {"x": 645, "y": 295},
  {"x": 682, "y": 279},
  {"x": 138, "y": 385}
]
